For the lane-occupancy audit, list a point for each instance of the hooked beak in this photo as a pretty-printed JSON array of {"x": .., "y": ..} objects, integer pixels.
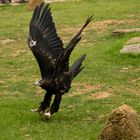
[{"x": 37, "y": 83}]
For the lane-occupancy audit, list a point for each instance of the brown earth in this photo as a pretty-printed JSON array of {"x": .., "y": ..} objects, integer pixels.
[
  {"x": 100, "y": 95},
  {"x": 33, "y": 3},
  {"x": 4, "y": 41},
  {"x": 83, "y": 88},
  {"x": 119, "y": 32},
  {"x": 100, "y": 26}
]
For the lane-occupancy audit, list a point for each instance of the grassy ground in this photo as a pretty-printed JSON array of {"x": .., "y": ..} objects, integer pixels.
[{"x": 108, "y": 81}]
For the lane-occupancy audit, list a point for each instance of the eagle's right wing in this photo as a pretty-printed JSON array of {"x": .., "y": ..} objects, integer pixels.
[{"x": 63, "y": 60}]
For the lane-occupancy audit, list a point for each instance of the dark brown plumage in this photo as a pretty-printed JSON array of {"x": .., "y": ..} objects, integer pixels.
[{"x": 52, "y": 57}]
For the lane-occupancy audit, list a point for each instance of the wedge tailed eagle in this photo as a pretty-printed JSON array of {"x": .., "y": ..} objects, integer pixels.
[{"x": 53, "y": 58}]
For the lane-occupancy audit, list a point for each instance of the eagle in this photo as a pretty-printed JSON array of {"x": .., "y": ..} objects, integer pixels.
[{"x": 52, "y": 58}]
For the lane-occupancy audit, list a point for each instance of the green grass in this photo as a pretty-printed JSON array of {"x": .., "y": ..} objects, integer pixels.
[{"x": 80, "y": 116}]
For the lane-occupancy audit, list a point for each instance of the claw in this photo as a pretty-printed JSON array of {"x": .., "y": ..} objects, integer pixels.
[
  {"x": 34, "y": 110},
  {"x": 37, "y": 110},
  {"x": 47, "y": 115}
]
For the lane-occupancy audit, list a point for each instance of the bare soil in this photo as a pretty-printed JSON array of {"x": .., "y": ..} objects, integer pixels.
[
  {"x": 83, "y": 88},
  {"x": 100, "y": 95}
]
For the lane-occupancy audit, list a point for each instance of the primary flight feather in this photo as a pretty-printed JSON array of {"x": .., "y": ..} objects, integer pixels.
[{"x": 52, "y": 58}]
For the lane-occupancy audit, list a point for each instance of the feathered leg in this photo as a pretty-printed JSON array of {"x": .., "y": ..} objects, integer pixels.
[
  {"x": 55, "y": 105},
  {"x": 45, "y": 103}
]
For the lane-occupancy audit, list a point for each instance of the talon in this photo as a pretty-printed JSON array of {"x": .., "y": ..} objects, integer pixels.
[
  {"x": 37, "y": 110},
  {"x": 34, "y": 110},
  {"x": 47, "y": 115}
]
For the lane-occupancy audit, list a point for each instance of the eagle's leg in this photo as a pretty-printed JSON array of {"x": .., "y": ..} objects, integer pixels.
[
  {"x": 45, "y": 103},
  {"x": 55, "y": 105}
]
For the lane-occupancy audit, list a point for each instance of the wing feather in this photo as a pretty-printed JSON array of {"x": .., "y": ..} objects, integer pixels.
[{"x": 63, "y": 61}]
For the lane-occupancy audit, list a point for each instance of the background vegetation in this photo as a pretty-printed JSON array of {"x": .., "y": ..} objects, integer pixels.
[{"x": 109, "y": 80}]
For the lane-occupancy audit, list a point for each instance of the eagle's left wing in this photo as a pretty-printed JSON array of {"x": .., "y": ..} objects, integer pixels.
[{"x": 44, "y": 41}]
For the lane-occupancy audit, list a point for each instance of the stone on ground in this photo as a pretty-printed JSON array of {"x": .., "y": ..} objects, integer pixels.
[
  {"x": 119, "y": 32},
  {"x": 134, "y": 40},
  {"x": 133, "y": 49},
  {"x": 122, "y": 124},
  {"x": 132, "y": 46}
]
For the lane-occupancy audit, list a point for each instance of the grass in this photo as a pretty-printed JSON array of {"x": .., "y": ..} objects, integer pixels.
[{"x": 80, "y": 116}]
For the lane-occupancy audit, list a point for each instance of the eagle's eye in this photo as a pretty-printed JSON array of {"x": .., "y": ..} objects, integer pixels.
[{"x": 32, "y": 43}]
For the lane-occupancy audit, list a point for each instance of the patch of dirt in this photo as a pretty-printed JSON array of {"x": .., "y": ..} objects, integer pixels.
[
  {"x": 6, "y": 41},
  {"x": 66, "y": 29},
  {"x": 119, "y": 32},
  {"x": 124, "y": 70},
  {"x": 135, "y": 80},
  {"x": 83, "y": 88},
  {"x": 52, "y": 1},
  {"x": 130, "y": 69},
  {"x": 1, "y": 95},
  {"x": 132, "y": 90},
  {"x": 125, "y": 89},
  {"x": 2, "y": 82},
  {"x": 18, "y": 53},
  {"x": 104, "y": 24},
  {"x": 100, "y": 95},
  {"x": 33, "y": 3},
  {"x": 113, "y": 91},
  {"x": 97, "y": 25}
]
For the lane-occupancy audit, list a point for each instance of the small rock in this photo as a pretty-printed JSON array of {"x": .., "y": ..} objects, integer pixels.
[
  {"x": 132, "y": 46},
  {"x": 133, "y": 49},
  {"x": 134, "y": 40}
]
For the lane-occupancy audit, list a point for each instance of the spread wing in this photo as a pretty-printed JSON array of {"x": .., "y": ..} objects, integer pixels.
[
  {"x": 63, "y": 61},
  {"x": 44, "y": 41}
]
